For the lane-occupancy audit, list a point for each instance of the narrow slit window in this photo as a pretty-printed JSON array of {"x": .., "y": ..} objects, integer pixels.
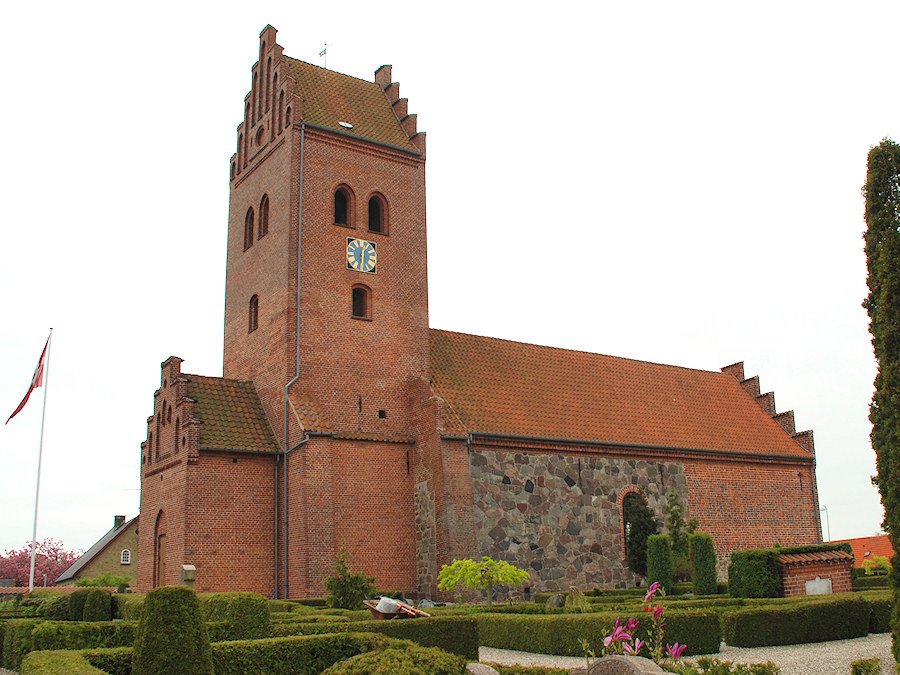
[
  {"x": 375, "y": 215},
  {"x": 248, "y": 229},
  {"x": 263, "y": 216},
  {"x": 253, "y": 314}
]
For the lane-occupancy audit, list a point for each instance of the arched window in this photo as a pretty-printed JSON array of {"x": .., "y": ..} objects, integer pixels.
[
  {"x": 343, "y": 207},
  {"x": 125, "y": 558},
  {"x": 253, "y": 98},
  {"x": 638, "y": 523},
  {"x": 287, "y": 117},
  {"x": 263, "y": 216},
  {"x": 177, "y": 432},
  {"x": 362, "y": 302},
  {"x": 248, "y": 229},
  {"x": 253, "y": 314},
  {"x": 280, "y": 112},
  {"x": 377, "y": 214}
]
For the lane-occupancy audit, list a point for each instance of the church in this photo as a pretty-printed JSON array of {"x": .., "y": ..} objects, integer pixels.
[{"x": 343, "y": 422}]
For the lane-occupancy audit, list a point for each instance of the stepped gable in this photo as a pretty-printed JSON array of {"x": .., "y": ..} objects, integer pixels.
[
  {"x": 510, "y": 388},
  {"x": 230, "y": 413},
  {"x": 330, "y": 98}
]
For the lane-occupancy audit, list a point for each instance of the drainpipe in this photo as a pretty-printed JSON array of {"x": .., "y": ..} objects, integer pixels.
[{"x": 287, "y": 448}]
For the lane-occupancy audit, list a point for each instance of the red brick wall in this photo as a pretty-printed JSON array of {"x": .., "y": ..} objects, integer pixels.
[
  {"x": 745, "y": 504},
  {"x": 796, "y": 576},
  {"x": 230, "y": 522},
  {"x": 356, "y": 496}
]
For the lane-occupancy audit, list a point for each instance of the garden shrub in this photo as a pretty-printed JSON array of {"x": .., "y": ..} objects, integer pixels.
[
  {"x": 755, "y": 573},
  {"x": 866, "y": 667},
  {"x": 682, "y": 588},
  {"x": 311, "y": 602},
  {"x": 129, "y": 605},
  {"x": 59, "y": 662},
  {"x": 797, "y": 623},
  {"x": 246, "y": 613},
  {"x": 171, "y": 637},
  {"x": 301, "y": 655},
  {"x": 345, "y": 589},
  {"x": 453, "y": 634},
  {"x": 703, "y": 557},
  {"x": 277, "y": 606},
  {"x": 97, "y": 605},
  {"x": 410, "y": 659},
  {"x": 659, "y": 561},
  {"x": 77, "y": 599},
  {"x": 51, "y": 635},
  {"x": 55, "y": 609}
]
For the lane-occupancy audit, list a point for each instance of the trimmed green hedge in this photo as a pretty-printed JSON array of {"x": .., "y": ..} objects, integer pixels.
[
  {"x": 660, "y": 561},
  {"x": 246, "y": 613},
  {"x": 114, "y": 661},
  {"x": 301, "y": 655},
  {"x": 881, "y": 604},
  {"x": 82, "y": 635},
  {"x": 17, "y": 641},
  {"x": 865, "y": 583},
  {"x": 797, "y": 623},
  {"x": 171, "y": 637},
  {"x": 703, "y": 557},
  {"x": 562, "y": 634},
  {"x": 406, "y": 659},
  {"x": 454, "y": 634},
  {"x": 755, "y": 573},
  {"x": 97, "y": 607},
  {"x": 59, "y": 662},
  {"x": 77, "y": 598}
]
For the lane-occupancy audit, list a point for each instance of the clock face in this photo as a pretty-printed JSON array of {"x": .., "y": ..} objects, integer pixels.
[{"x": 361, "y": 255}]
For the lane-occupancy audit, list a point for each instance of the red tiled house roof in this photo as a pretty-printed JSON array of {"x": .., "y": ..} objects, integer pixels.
[
  {"x": 330, "y": 98},
  {"x": 866, "y": 548},
  {"x": 231, "y": 414},
  {"x": 508, "y": 388}
]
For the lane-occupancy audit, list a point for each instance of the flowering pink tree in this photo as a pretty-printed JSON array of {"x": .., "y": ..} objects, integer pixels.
[{"x": 51, "y": 559}]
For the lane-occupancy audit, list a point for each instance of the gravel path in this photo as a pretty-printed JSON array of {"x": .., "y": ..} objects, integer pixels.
[{"x": 809, "y": 659}]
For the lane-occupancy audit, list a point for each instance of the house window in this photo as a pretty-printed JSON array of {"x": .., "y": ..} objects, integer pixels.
[
  {"x": 343, "y": 207},
  {"x": 263, "y": 217},
  {"x": 248, "y": 229},
  {"x": 362, "y": 305},
  {"x": 253, "y": 314},
  {"x": 377, "y": 214},
  {"x": 126, "y": 556}
]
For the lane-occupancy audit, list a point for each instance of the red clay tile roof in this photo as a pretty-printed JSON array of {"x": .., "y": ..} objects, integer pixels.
[
  {"x": 502, "y": 387},
  {"x": 378, "y": 438},
  {"x": 309, "y": 413},
  {"x": 232, "y": 414},
  {"x": 866, "y": 548},
  {"x": 817, "y": 557},
  {"x": 330, "y": 98}
]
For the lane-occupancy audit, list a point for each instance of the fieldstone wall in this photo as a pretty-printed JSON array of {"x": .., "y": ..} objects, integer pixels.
[
  {"x": 426, "y": 546},
  {"x": 559, "y": 516}
]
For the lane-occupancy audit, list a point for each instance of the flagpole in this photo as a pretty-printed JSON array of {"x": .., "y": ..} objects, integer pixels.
[{"x": 37, "y": 489}]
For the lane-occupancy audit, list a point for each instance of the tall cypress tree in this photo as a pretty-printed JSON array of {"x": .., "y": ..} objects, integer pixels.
[{"x": 882, "y": 237}]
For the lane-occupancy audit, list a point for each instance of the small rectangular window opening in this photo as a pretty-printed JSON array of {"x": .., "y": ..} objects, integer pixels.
[{"x": 382, "y": 414}]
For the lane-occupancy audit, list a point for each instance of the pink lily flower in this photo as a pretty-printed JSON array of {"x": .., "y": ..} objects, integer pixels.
[
  {"x": 618, "y": 634},
  {"x": 651, "y": 591},
  {"x": 632, "y": 624},
  {"x": 629, "y": 649},
  {"x": 675, "y": 651}
]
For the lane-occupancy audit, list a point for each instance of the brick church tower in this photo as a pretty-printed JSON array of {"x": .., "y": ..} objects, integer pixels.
[{"x": 328, "y": 196}]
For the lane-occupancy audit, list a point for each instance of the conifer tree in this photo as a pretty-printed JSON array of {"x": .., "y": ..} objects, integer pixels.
[{"x": 882, "y": 237}]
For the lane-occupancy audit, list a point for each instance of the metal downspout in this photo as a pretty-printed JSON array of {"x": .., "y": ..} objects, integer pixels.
[{"x": 287, "y": 387}]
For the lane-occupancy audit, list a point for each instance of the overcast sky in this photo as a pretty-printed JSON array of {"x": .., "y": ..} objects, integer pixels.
[{"x": 671, "y": 182}]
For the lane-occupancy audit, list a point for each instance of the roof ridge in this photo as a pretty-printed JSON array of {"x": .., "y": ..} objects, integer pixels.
[
  {"x": 576, "y": 351},
  {"x": 217, "y": 379},
  {"x": 329, "y": 70}
]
